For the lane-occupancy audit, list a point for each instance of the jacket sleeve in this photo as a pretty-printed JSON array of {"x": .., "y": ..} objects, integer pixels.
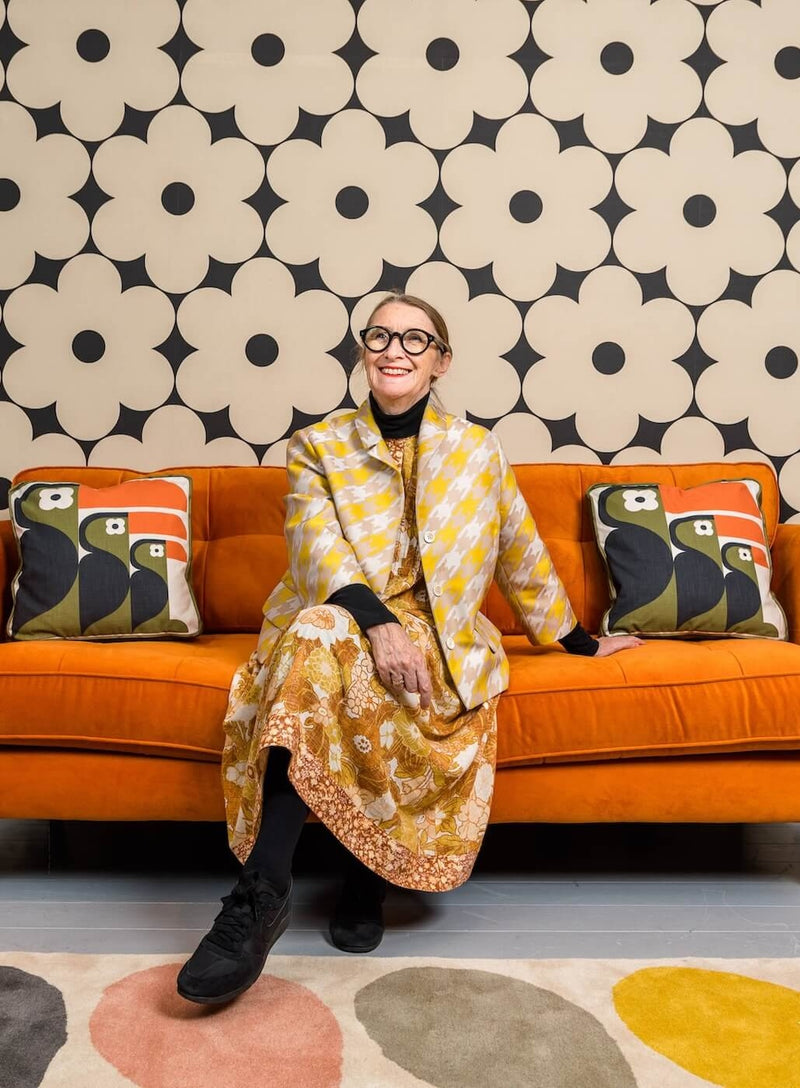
[
  {"x": 525, "y": 571},
  {"x": 321, "y": 560}
]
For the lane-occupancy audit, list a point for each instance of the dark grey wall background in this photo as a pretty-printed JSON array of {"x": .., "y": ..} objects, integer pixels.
[{"x": 200, "y": 200}]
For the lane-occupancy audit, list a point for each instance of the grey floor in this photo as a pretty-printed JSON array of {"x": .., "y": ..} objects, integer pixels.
[{"x": 538, "y": 891}]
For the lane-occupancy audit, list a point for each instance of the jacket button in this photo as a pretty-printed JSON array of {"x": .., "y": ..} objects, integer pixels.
[
  {"x": 429, "y": 536},
  {"x": 437, "y": 591},
  {"x": 451, "y": 644}
]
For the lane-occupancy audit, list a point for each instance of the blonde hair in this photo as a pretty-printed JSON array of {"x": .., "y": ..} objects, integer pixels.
[{"x": 436, "y": 319}]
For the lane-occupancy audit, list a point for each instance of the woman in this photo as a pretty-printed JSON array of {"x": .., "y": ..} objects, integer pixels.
[{"x": 371, "y": 698}]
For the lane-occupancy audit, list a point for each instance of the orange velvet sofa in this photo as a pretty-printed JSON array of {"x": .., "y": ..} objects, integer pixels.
[{"x": 698, "y": 731}]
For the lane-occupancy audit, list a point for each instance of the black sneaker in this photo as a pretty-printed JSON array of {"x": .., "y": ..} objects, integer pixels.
[
  {"x": 357, "y": 922},
  {"x": 232, "y": 954}
]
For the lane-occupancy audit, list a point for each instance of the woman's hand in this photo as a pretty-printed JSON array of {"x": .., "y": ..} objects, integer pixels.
[
  {"x": 612, "y": 644},
  {"x": 400, "y": 665}
]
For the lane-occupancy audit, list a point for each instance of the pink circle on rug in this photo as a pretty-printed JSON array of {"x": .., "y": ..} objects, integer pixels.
[{"x": 278, "y": 1033}]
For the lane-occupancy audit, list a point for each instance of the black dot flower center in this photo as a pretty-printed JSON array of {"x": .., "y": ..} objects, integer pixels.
[
  {"x": 787, "y": 62},
  {"x": 781, "y": 361},
  {"x": 616, "y": 58},
  {"x": 9, "y": 194},
  {"x": 177, "y": 198},
  {"x": 88, "y": 346},
  {"x": 267, "y": 50},
  {"x": 525, "y": 206},
  {"x": 93, "y": 46},
  {"x": 442, "y": 54},
  {"x": 699, "y": 210},
  {"x": 352, "y": 202},
  {"x": 261, "y": 349},
  {"x": 608, "y": 358}
]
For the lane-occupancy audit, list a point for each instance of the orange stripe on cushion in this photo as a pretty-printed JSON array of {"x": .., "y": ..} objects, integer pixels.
[
  {"x": 739, "y": 528},
  {"x": 154, "y": 523},
  {"x": 135, "y": 493},
  {"x": 176, "y": 550},
  {"x": 728, "y": 495}
]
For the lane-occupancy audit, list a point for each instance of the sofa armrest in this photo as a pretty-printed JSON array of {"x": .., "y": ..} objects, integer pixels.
[
  {"x": 786, "y": 575},
  {"x": 8, "y": 568}
]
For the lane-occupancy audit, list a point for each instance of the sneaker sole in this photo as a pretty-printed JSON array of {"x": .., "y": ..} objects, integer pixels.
[{"x": 223, "y": 999}]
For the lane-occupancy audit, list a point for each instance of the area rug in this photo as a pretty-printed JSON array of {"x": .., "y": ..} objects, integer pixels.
[{"x": 70, "y": 1021}]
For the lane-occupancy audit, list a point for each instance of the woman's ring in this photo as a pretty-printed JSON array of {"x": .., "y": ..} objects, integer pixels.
[{"x": 398, "y": 681}]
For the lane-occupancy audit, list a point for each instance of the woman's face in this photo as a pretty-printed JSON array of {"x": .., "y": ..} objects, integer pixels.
[{"x": 397, "y": 379}]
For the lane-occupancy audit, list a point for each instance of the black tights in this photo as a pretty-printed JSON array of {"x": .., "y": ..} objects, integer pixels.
[{"x": 283, "y": 815}]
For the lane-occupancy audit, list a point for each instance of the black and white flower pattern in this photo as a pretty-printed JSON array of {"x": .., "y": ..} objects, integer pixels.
[
  {"x": 19, "y": 449},
  {"x": 526, "y": 439}
]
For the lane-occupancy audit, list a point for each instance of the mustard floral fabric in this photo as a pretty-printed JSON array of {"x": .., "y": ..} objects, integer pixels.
[{"x": 406, "y": 790}]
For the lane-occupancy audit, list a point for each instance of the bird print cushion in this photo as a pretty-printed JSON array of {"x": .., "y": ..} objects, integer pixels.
[
  {"x": 685, "y": 562},
  {"x": 97, "y": 563}
]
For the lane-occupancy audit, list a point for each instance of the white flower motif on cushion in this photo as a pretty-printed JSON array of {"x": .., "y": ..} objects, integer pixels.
[
  {"x": 703, "y": 527},
  {"x": 178, "y": 199},
  {"x": 56, "y": 498},
  {"x": 793, "y": 241},
  {"x": 526, "y": 206},
  {"x": 362, "y": 743},
  {"x": 759, "y": 81},
  {"x": 745, "y": 555},
  {"x": 268, "y": 59},
  {"x": 93, "y": 57},
  {"x": 526, "y": 440},
  {"x": 691, "y": 439},
  {"x": 635, "y": 499},
  {"x": 443, "y": 63},
  {"x": 608, "y": 358},
  {"x": 156, "y": 551},
  {"x": 38, "y": 178},
  {"x": 352, "y": 203},
  {"x": 115, "y": 526},
  {"x": 699, "y": 211},
  {"x": 89, "y": 346},
  {"x": 262, "y": 350},
  {"x": 756, "y": 376},
  {"x": 616, "y": 63},
  {"x": 172, "y": 435},
  {"x": 19, "y": 449}
]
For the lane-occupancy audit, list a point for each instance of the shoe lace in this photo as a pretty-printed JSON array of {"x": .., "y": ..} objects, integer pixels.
[{"x": 241, "y": 910}]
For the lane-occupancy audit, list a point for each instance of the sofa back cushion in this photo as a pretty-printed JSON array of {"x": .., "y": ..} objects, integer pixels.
[{"x": 239, "y": 551}]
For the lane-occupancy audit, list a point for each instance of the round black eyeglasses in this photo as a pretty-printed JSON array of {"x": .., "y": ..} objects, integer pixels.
[{"x": 413, "y": 341}]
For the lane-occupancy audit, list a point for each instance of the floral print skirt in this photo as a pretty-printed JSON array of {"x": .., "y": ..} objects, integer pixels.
[{"x": 406, "y": 790}]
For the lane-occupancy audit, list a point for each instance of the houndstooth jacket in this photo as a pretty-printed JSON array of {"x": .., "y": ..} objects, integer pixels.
[{"x": 343, "y": 512}]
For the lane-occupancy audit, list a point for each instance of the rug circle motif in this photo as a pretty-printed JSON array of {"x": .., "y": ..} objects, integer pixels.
[
  {"x": 456, "y": 1028},
  {"x": 729, "y": 1029},
  {"x": 158, "y": 1040},
  {"x": 33, "y": 1027}
]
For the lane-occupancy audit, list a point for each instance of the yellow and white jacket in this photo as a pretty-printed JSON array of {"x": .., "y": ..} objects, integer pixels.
[{"x": 342, "y": 517}]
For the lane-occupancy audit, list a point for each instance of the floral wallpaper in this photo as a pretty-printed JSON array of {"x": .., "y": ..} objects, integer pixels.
[{"x": 200, "y": 200}]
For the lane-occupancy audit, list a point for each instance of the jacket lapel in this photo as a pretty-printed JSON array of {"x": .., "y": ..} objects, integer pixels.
[{"x": 370, "y": 435}]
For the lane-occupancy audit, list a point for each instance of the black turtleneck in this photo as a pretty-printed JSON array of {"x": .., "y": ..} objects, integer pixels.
[{"x": 366, "y": 607}]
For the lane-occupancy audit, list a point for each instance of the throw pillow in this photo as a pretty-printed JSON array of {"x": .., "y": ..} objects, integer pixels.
[
  {"x": 111, "y": 562},
  {"x": 691, "y": 561}
]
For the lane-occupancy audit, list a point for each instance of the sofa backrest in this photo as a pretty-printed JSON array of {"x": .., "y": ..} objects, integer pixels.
[{"x": 239, "y": 553}]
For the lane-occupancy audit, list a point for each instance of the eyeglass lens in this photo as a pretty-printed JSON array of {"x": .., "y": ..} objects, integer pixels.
[{"x": 414, "y": 341}]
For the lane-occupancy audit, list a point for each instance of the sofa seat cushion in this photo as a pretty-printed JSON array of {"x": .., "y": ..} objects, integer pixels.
[
  {"x": 154, "y": 698},
  {"x": 664, "y": 698}
]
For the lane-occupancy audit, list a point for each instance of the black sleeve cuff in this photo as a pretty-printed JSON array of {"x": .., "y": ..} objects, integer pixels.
[
  {"x": 580, "y": 642},
  {"x": 366, "y": 607}
]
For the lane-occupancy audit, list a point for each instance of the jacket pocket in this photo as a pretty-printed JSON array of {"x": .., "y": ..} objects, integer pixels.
[{"x": 486, "y": 632}]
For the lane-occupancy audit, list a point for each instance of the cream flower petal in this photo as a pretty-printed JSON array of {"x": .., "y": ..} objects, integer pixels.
[
  {"x": 793, "y": 241},
  {"x": 178, "y": 167},
  {"x": 89, "y": 346},
  {"x": 689, "y": 440},
  {"x": 172, "y": 436},
  {"x": 20, "y": 450},
  {"x": 455, "y": 60},
  {"x": 699, "y": 210},
  {"x": 616, "y": 63},
  {"x": 757, "y": 82},
  {"x": 790, "y": 484},
  {"x": 525, "y": 207},
  {"x": 757, "y": 376},
  {"x": 526, "y": 440},
  {"x": 261, "y": 350},
  {"x": 44, "y": 174},
  {"x": 480, "y": 380},
  {"x": 296, "y": 66},
  {"x": 351, "y": 203},
  {"x": 608, "y": 358},
  {"x": 93, "y": 57}
]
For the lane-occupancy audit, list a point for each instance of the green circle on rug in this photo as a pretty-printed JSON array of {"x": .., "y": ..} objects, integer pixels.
[
  {"x": 734, "y": 1031},
  {"x": 455, "y": 1028}
]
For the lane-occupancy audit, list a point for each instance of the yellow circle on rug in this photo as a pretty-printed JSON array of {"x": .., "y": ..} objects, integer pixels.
[{"x": 732, "y": 1030}]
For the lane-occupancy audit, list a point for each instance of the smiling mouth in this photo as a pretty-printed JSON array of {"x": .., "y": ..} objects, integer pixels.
[{"x": 393, "y": 371}]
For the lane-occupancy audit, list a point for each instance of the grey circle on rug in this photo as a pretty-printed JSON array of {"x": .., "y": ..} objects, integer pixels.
[
  {"x": 456, "y": 1028},
  {"x": 33, "y": 1027}
]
